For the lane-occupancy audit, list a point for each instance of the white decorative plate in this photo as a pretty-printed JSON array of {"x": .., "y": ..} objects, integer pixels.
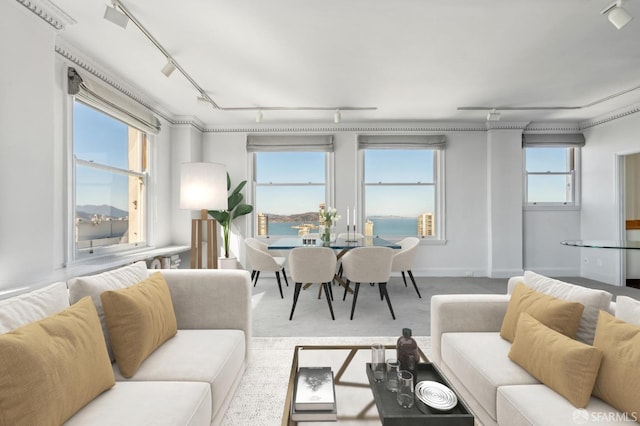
[{"x": 436, "y": 395}]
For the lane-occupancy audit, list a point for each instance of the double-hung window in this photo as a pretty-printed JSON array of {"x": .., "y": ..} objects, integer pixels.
[
  {"x": 402, "y": 185},
  {"x": 552, "y": 169},
  {"x": 109, "y": 172},
  {"x": 291, "y": 179}
]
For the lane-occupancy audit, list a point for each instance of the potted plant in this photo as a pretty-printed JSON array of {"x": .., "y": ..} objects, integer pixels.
[{"x": 235, "y": 209}]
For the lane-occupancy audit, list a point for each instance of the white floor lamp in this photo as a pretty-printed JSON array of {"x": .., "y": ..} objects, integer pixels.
[{"x": 203, "y": 186}]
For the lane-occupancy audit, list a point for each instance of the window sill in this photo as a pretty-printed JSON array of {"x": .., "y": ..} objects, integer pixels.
[{"x": 549, "y": 207}]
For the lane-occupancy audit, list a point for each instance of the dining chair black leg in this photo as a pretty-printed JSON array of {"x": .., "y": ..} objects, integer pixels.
[
  {"x": 381, "y": 294},
  {"x": 330, "y": 291},
  {"x": 326, "y": 293},
  {"x": 414, "y": 283},
  {"x": 383, "y": 286},
  {"x": 404, "y": 278},
  {"x": 355, "y": 298},
  {"x": 346, "y": 289},
  {"x": 284, "y": 274},
  {"x": 279, "y": 284},
  {"x": 256, "y": 279},
  {"x": 253, "y": 274},
  {"x": 296, "y": 293}
]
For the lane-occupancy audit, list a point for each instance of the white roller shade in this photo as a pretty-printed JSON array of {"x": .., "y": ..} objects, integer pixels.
[
  {"x": 262, "y": 143},
  {"x": 561, "y": 139},
  {"x": 402, "y": 141}
]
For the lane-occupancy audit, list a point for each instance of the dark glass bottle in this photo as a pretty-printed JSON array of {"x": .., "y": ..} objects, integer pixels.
[{"x": 407, "y": 351}]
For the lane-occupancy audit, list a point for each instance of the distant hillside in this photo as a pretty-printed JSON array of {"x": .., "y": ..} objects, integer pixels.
[
  {"x": 300, "y": 217},
  {"x": 88, "y": 211}
]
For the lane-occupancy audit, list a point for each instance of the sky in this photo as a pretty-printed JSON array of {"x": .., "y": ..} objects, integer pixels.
[{"x": 100, "y": 138}]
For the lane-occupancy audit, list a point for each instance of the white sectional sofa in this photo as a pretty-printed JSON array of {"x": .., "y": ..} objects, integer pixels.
[
  {"x": 189, "y": 379},
  {"x": 468, "y": 349}
]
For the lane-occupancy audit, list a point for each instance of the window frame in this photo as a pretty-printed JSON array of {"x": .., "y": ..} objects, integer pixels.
[
  {"x": 439, "y": 236},
  {"x": 329, "y": 187},
  {"x": 79, "y": 256},
  {"x": 574, "y": 174}
]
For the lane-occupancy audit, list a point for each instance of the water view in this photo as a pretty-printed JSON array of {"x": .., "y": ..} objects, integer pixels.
[{"x": 381, "y": 226}]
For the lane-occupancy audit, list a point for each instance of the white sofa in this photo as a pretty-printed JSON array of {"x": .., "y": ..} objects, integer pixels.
[
  {"x": 191, "y": 378},
  {"x": 469, "y": 351}
]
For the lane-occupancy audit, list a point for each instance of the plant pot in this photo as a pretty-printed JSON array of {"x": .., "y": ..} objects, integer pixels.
[{"x": 228, "y": 263}]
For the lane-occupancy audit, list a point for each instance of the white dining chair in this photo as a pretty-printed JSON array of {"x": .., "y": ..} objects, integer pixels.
[
  {"x": 262, "y": 261},
  {"x": 312, "y": 265},
  {"x": 368, "y": 265},
  {"x": 403, "y": 260}
]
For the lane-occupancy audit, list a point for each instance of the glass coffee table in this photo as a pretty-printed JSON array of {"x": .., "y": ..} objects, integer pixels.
[{"x": 354, "y": 393}]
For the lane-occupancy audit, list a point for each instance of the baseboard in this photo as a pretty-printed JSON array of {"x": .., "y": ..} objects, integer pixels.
[{"x": 554, "y": 271}]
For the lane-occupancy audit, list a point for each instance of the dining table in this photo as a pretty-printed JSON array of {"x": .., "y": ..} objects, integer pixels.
[{"x": 341, "y": 245}]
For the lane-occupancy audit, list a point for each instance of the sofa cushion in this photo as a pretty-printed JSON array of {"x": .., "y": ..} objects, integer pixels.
[
  {"x": 148, "y": 403},
  {"x": 33, "y": 306},
  {"x": 94, "y": 285},
  {"x": 555, "y": 313},
  {"x": 480, "y": 361},
  {"x": 593, "y": 300},
  {"x": 215, "y": 357},
  {"x": 618, "y": 381},
  {"x": 526, "y": 405},
  {"x": 565, "y": 365},
  {"x": 139, "y": 318},
  {"x": 628, "y": 309},
  {"x": 51, "y": 368}
]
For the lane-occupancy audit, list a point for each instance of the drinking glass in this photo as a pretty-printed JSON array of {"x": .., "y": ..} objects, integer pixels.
[
  {"x": 405, "y": 389},
  {"x": 378, "y": 365},
  {"x": 392, "y": 375}
]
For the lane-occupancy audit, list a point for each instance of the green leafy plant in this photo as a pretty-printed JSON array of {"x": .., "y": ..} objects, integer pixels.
[{"x": 235, "y": 209}]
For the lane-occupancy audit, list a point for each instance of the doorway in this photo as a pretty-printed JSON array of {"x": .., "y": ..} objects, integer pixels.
[{"x": 632, "y": 217}]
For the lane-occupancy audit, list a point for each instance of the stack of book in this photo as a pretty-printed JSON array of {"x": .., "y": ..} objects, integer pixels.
[{"x": 314, "y": 395}]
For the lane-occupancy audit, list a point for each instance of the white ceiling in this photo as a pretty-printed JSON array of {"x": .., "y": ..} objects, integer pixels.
[{"x": 415, "y": 60}]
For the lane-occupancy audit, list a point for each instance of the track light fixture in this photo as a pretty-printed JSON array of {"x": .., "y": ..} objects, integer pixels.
[
  {"x": 169, "y": 68},
  {"x": 259, "y": 116},
  {"x": 113, "y": 15},
  {"x": 337, "y": 116},
  {"x": 617, "y": 15},
  {"x": 493, "y": 115}
]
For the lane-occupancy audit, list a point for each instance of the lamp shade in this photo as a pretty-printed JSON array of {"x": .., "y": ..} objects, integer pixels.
[{"x": 203, "y": 186}]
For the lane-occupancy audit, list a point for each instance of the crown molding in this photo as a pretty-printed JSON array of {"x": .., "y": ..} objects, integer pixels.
[
  {"x": 184, "y": 120},
  {"x": 48, "y": 12},
  {"x": 552, "y": 127},
  {"x": 610, "y": 116},
  {"x": 506, "y": 125}
]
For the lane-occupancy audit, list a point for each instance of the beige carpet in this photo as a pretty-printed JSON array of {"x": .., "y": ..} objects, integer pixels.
[{"x": 259, "y": 400}]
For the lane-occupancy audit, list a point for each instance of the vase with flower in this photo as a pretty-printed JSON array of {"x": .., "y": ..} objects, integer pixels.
[{"x": 328, "y": 217}]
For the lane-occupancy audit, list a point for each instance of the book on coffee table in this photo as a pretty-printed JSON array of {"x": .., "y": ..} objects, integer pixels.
[{"x": 314, "y": 390}]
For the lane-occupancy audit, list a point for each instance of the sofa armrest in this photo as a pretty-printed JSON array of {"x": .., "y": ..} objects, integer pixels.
[
  {"x": 211, "y": 299},
  {"x": 451, "y": 313}
]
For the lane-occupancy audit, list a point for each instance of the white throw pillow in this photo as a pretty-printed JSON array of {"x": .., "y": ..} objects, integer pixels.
[
  {"x": 628, "y": 310},
  {"x": 94, "y": 285},
  {"x": 593, "y": 300},
  {"x": 33, "y": 306}
]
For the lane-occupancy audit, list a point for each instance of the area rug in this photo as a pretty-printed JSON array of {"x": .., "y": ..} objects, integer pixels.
[{"x": 260, "y": 397}]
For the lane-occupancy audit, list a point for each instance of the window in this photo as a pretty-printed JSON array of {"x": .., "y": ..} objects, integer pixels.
[
  {"x": 402, "y": 186},
  {"x": 552, "y": 169},
  {"x": 291, "y": 179},
  {"x": 110, "y": 161}
]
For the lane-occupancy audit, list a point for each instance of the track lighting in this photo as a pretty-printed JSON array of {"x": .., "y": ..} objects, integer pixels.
[
  {"x": 337, "y": 116},
  {"x": 493, "y": 115},
  {"x": 617, "y": 15},
  {"x": 169, "y": 68},
  {"x": 115, "y": 16},
  {"x": 259, "y": 116}
]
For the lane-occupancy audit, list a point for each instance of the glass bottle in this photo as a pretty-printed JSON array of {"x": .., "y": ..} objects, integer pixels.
[{"x": 407, "y": 352}]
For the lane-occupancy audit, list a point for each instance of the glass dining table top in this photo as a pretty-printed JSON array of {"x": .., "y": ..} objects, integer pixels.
[
  {"x": 288, "y": 243},
  {"x": 610, "y": 244}
]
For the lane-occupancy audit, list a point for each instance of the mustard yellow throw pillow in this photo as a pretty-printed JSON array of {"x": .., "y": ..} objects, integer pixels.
[
  {"x": 50, "y": 369},
  {"x": 559, "y": 315},
  {"x": 565, "y": 365},
  {"x": 139, "y": 319},
  {"x": 618, "y": 381}
]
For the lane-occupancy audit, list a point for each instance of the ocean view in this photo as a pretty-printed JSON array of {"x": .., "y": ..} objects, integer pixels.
[{"x": 395, "y": 226}]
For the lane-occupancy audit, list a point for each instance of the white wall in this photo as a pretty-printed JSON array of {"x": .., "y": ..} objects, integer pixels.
[{"x": 601, "y": 201}]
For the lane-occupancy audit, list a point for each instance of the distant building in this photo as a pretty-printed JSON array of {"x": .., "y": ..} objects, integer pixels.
[
  {"x": 368, "y": 228},
  {"x": 320, "y": 217},
  {"x": 425, "y": 225},
  {"x": 263, "y": 224}
]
